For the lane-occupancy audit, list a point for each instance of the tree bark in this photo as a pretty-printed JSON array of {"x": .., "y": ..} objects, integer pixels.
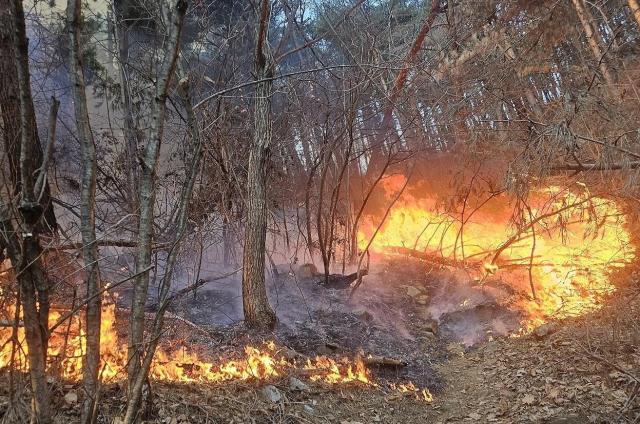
[
  {"x": 147, "y": 191},
  {"x": 10, "y": 111},
  {"x": 129, "y": 129},
  {"x": 257, "y": 311},
  {"x": 91, "y": 360},
  {"x": 585, "y": 20},
  {"x": 30, "y": 273},
  {"x": 165, "y": 285},
  {"x": 635, "y": 10}
]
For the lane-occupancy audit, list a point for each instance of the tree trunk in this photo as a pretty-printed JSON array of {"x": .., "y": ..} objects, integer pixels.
[
  {"x": 635, "y": 10},
  {"x": 30, "y": 273},
  {"x": 147, "y": 191},
  {"x": 257, "y": 311},
  {"x": 91, "y": 360},
  {"x": 136, "y": 385},
  {"x": 227, "y": 236},
  {"x": 10, "y": 111},
  {"x": 129, "y": 129},
  {"x": 585, "y": 19}
]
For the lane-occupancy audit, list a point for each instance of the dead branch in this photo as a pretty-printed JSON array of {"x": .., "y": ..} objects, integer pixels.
[
  {"x": 436, "y": 259},
  {"x": 375, "y": 233},
  {"x": 517, "y": 235},
  {"x": 9, "y": 324},
  {"x": 596, "y": 166},
  {"x": 105, "y": 243},
  {"x": 383, "y": 361},
  {"x": 84, "y": 301},
  {"x": 201, "y": 282}
]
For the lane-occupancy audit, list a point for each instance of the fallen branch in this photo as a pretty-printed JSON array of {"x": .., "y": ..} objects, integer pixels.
[
  {"x": 383, "y": 361},
  {"x": 180, "y": 293},
  {"x": 104, "y": 243},
  {"x": 596, "y": 166},
  {"x": 440, "y": 260},
  {"x": 605, "y": 361}
]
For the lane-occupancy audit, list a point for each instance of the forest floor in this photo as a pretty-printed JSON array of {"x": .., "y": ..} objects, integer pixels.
[{"x": 581, "y": 370}]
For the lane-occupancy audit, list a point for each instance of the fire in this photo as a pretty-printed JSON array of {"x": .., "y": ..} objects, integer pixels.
[
  {"x": 422, "y": 395},
  {"x": 329, "y": 371},
  {"x": 258, "y": 363},
  {"x": 576, "y": 239},
  {"x": 67, "y": 347}
]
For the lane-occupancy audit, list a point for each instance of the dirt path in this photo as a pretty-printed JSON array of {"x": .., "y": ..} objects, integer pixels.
[{"x": 584, "y": 372}]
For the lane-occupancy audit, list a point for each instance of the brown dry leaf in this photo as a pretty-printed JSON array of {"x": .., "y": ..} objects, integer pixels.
[
  {"x": 393, "y": 397},
  {"x": 529, "y": 399},
  {"x": 71, "y": 398},
  {"x": 553, "y": 393}
]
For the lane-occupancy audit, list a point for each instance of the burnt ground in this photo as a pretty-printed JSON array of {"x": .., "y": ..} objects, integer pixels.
[
  {"x": 405, "y": 310},
  {"x": 576, "y": 371}
]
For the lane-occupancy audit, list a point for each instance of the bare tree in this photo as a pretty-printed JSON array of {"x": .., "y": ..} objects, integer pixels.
[
  {"x": 10, "y": 108},
  {"x": 132, "y": 412},
  {"x": 27, "y": 260},
  {"x": 173, "y": 21},
  {"x": 91, "y": 361},
  {"x": 257, "y": 311},
  {"x": 585, "y": 19}
]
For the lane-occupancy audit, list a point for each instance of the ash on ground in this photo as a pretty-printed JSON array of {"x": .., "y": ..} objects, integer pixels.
[{"x": 405, "y": 310}]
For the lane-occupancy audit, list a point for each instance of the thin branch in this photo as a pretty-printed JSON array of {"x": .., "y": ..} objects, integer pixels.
[
  {"x": 191, "y": 287},
  {"x": 84, "y": 301},
  {"x": 51, "y": 137},
  {"x": 315, "y": 40}
]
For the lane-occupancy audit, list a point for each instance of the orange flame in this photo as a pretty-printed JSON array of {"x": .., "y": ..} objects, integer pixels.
[
  {"x": 579, "y": 239},
  {"x": 66, "y": 355}
]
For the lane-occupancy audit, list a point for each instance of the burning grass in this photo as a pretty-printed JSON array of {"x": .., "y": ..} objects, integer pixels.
[
  {"x": 67, "y": 346},
  {"x": 258, "y": 363}
]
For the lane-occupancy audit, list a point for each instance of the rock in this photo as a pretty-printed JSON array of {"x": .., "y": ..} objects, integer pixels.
[
  {"x": 297, "y": 386},
  {"x": 431, "y": 325},
  {"x": 291, "y": 354},
  {"x": 282, "y": 269},
  {"x": 272, "y": 394},
  {"x": 71, "y": 398},
  {"x": 309, "y": 409},
  {"x": 425, "y": 314},
  {"x": 363, "y": 314},
  {"x": 413, "y": 291},
  {"x": 545, "y": 330}
]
